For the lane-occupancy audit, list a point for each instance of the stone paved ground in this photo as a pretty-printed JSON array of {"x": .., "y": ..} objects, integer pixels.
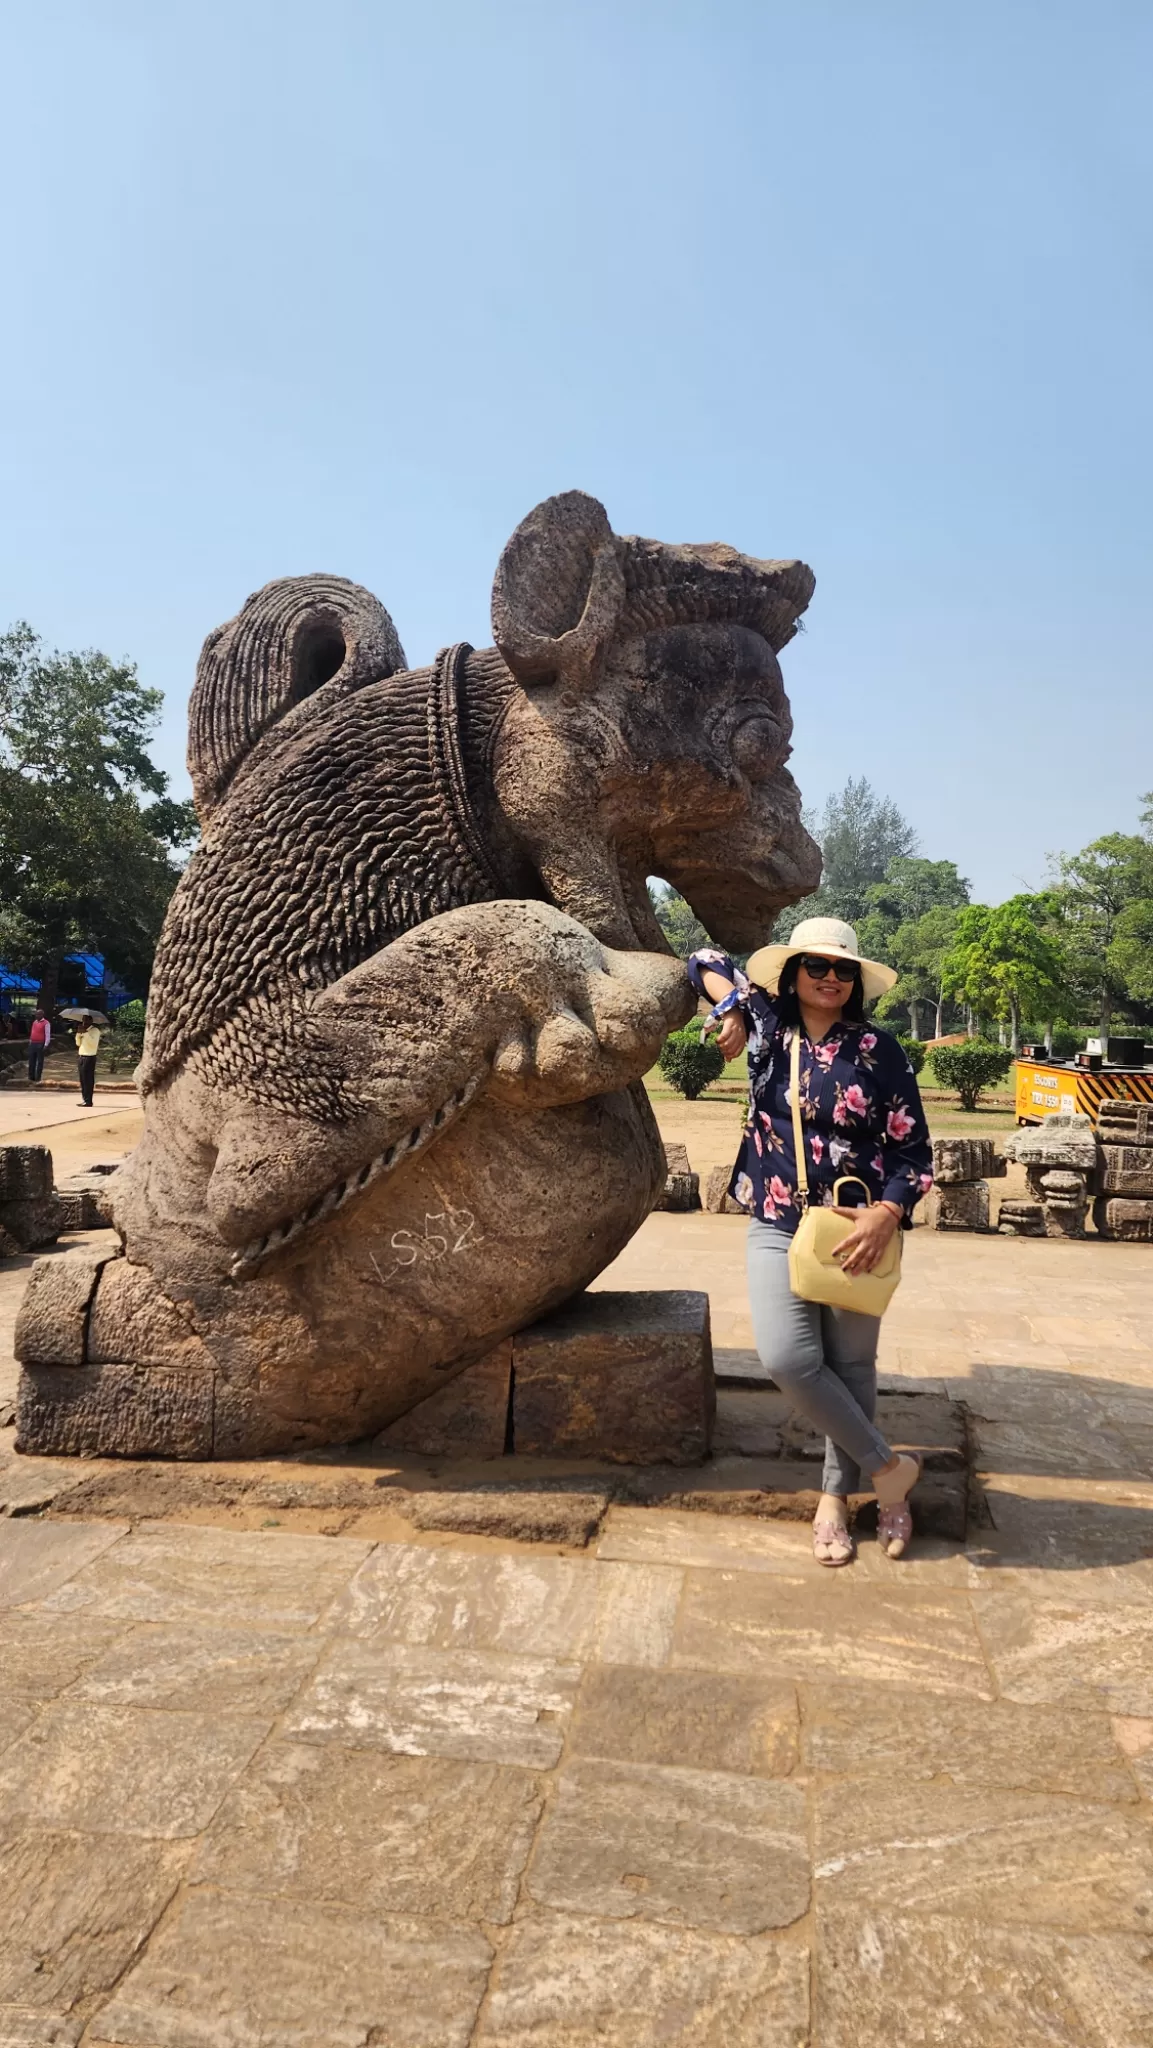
[{"x": 261, "y": 1789}]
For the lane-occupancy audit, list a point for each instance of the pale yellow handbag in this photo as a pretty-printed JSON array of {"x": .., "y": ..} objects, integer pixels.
[{"x": 814, "y": 1274}]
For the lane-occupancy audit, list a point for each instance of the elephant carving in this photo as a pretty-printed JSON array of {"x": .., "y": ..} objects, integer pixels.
[{"x": 411, "y": 979}]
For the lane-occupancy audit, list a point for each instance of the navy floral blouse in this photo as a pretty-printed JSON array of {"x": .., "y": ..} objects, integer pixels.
[{"x": 860, "y": 1112}]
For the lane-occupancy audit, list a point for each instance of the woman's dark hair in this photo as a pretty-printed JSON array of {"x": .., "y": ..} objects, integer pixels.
[{"x": 788, "y": 1006}]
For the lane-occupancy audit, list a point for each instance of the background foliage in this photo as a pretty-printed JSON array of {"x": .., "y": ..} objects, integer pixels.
[{"x": 90, "y": 841}]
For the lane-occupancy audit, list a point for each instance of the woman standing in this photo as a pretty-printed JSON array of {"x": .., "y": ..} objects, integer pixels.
[{"x": 861, "y": 1114}]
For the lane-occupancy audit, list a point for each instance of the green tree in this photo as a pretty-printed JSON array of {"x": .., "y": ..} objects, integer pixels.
[
  {"x": 1129, "y": 957},
  {"x": 1005, "y": 961},
  {"x": 860, "y": 834},
  {"x": 1095, "y": 889},
  {"x": 676, "y": 918},
  {"x": 88, "y": 833},
  {"x": 919, "y": 950}
]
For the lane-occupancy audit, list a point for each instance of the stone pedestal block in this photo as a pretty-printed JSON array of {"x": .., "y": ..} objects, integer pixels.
[
  {"x": 1021, "y": 1219},
  {"x": 959, "y": 1205},
  {"x": 115, "y": 1411},
  {"x": 718, "y": 1200},
  {"x": 1126, "y": 1170},
  {"x": 25, "y": 1172},
  {"x": 1130, "y": 1221},
  {"x": 467, "y": 1418},
  {"x": 957, "y": 1160},
  {"x": 34, "y": 1222},
  {"x": 628, "y": 1377}
]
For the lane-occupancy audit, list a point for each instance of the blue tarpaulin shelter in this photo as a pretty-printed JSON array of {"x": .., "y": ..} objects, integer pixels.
[{"x": 112, "y": 993}]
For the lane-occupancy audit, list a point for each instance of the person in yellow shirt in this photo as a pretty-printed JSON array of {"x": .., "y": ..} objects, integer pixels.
[{"x": 87, "y": 1047}]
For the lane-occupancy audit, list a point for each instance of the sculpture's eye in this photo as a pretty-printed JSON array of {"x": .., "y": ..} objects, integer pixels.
[{"x": 760, "y": 745}]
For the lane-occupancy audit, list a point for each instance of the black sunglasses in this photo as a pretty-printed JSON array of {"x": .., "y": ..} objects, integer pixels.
[{"x": 814, "y": 964}]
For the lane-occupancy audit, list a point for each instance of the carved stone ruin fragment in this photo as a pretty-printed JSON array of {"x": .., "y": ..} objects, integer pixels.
[
  {"x": 1129, "y": 1220},
  {"x": 29, "y": 1212},
  {"x": 682, "y": 1188},
  {"x": 410, "y": 982},
  {"x": 1021, "y": 1219}
]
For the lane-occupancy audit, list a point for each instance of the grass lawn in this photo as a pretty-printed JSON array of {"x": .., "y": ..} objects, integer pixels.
[{"x": 995, "y": 1113}]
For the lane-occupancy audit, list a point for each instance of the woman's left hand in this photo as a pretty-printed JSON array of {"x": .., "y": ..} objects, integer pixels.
[{"x": 862, "y": 1248}]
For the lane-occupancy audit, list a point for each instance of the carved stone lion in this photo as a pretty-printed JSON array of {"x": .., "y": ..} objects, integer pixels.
[{"x": 411, "y": 979}]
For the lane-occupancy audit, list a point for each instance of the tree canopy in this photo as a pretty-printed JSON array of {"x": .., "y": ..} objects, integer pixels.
[{"x": 89, "y": 837}]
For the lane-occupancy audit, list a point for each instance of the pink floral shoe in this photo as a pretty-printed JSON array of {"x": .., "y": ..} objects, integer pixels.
[
  {"x": 894, "y": 1519},
  {"x": 832, "y": 1543},
  {"x": 894, "y": 1529}
]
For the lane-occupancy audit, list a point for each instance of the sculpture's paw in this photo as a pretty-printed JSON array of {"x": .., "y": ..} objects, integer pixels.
[{"x": 603, "y": 1030}]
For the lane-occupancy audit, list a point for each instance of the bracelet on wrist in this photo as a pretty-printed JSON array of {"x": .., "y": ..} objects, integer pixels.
[{"x": 730, "y": 1002}]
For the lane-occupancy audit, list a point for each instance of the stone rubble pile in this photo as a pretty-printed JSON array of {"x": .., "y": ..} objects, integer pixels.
[{"x": 1060, "y": 1161}]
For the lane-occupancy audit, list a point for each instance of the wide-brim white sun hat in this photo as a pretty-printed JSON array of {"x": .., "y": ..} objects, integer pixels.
[{"x": 826, "y": 935}]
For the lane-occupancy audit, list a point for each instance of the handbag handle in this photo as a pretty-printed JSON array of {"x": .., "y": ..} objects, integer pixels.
[{"x": 799, "y": 1136}]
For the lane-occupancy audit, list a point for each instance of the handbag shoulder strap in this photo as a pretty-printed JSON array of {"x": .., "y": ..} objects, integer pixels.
[{"x": 798, "y": 1134}]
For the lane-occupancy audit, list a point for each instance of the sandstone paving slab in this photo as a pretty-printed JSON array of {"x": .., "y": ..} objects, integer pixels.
[
  {"x": 388, "y": 1834},
  {"x": 550, "y": 1607},
  {"x": 74, "y": 1910},
  {"x": 39, "y": 1558},
  {"x": 471, "y": 1704},
  {"x": 242, "y": 1671},
  {"x": 1090, "y": 1550},
  {"x": 124, "y": 1772},
  {"x": 1003, "y": 1857},
  {"x": 563, "y": 1982},
  {"x": 743, "y": 1622},
  {"x": 703, "y": 1720},
  {"x": 867, "y": 1731},
  {"x": 781, "y": 1548},
  {"x": 180, "y": 1572},
  {"x": 885, "y": 1979},
  {"x": 1042, "y": 1651},
  {"x": 1020, "y": 1396},
  {"x": 1063, "y": 1450},
  {"x": 230, "y": 1971},
  {"x": 698, "y": 1848},
  {"x": 42, "y": 1654}
]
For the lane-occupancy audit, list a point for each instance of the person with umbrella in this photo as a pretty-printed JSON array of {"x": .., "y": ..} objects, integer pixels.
[{"x": 87, "y": 1047}]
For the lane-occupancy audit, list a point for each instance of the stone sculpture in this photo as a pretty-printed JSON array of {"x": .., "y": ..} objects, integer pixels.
[{"x": 410, "y": 981}]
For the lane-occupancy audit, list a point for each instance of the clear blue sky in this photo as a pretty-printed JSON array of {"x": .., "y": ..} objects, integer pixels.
[{"x": 351, "y": 286}]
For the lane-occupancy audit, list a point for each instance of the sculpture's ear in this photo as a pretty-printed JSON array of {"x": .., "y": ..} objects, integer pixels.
[
  {"x": 558, "y": 591},
  {"x": 290, "y": 639}
]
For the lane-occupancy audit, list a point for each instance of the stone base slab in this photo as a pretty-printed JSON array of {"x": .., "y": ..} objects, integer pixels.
[
  {"x": 627, "y": 1377},
  {"x": 959, "y": 1205},
  {"x": 468, "y": 1418}
]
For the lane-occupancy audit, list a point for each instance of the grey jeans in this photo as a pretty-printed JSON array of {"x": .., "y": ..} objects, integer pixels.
[{"x": 824, "y": 1359}]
